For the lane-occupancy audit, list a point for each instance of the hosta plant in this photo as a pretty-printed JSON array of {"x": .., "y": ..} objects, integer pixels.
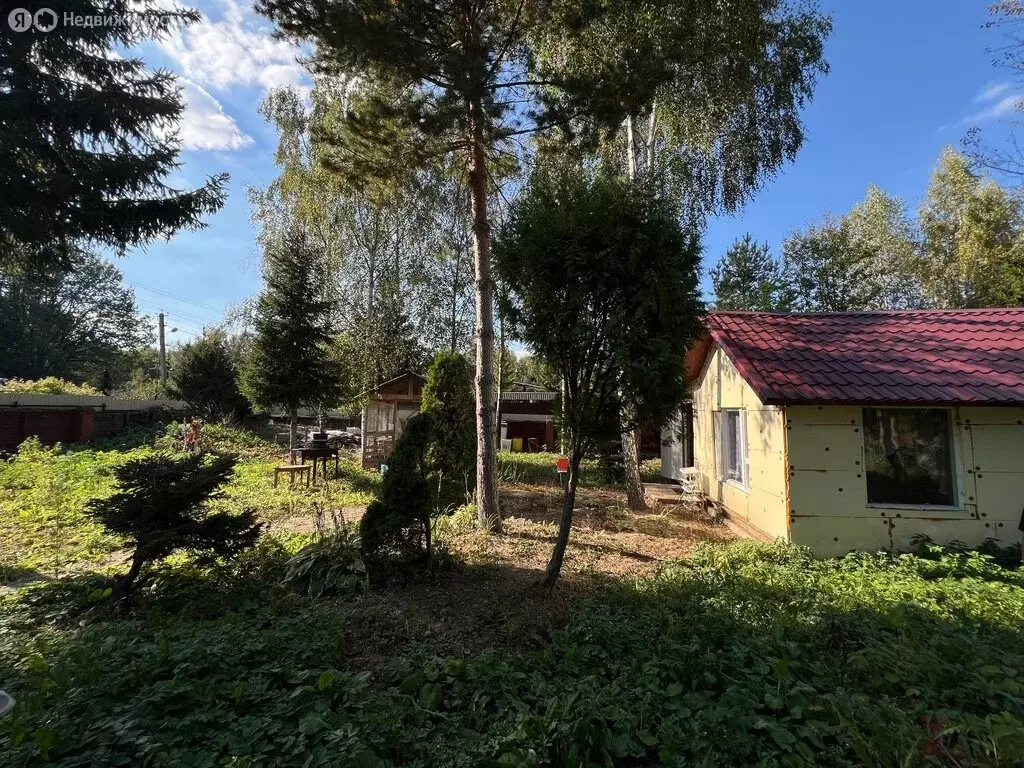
[{"x": 330, "y": 565}]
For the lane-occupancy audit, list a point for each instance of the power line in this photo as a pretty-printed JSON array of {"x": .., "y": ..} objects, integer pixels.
[
  {"x": 163, "y": 292},
  {"x": 185, "y": 328},
  {"x": 152, "y": 306}
]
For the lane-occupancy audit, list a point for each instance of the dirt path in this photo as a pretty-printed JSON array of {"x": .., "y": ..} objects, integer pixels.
[{"x": 489, "y": 594}]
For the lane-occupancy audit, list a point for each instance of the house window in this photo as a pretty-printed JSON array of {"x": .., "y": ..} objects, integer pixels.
[
  {"x": 908, "y": 455},
  {"x": 732, "y": 447}
]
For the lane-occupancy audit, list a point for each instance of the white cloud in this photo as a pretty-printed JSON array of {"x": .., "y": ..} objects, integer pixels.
[
  {"x": 992, "y": 91},
  {"x": 204, "y": 124},
  {"x": 238, "y": 49},
  {"x": 1006, "y": 106}
]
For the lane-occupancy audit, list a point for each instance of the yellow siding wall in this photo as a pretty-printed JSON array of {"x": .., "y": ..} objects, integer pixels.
[
  {"x": 764, "y": 505},
  {"x": 828, "y": 491}
]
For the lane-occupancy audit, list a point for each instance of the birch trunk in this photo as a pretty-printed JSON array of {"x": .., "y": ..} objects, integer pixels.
[
  {"x": 630, "y": 436},
  {"x": 486, "y": 457}
]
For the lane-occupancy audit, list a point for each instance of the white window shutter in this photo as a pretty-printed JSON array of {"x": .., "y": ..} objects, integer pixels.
[
  {"x": 744, "y": 449},
  {"x": 719, "y": 436}
]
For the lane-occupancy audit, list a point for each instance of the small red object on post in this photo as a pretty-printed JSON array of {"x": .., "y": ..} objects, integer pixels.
[{"x": 562, "y": 468}]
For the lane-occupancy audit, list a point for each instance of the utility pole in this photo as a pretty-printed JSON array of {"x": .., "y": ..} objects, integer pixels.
[{"x": 163, "y": 352}]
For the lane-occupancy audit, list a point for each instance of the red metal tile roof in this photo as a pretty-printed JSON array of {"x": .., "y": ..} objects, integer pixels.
[{"x": 920, "y": 356}]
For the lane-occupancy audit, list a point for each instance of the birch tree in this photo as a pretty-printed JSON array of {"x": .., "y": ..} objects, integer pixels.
[
  {"x": 723, "y": 115},
  {"x": 973, "y": 229}
]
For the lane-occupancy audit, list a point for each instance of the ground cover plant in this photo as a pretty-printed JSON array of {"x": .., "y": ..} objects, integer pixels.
[
  {"x": 657, "y": 647},
  {"x": 744, "y": 654}
]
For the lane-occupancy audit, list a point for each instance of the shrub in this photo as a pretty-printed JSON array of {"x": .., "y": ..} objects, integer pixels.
[
  {"x": 161, "y": 508},
  {"x": 330, "y": 565},
  {"x": 205, "y": 377},
  {"x": 51, "y": 385},
  {"x": 396, "y": 527}
]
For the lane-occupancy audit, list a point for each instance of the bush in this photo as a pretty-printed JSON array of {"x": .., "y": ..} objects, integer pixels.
[
  {"x": 161, "y": 507},
  {"x": 51, "y": 385},
  {"x": 331, "y": 565},
  {"x": 205, "y": 377},
  {"x": 448, "y": 398},
  {"x": 396, "y": 527}
]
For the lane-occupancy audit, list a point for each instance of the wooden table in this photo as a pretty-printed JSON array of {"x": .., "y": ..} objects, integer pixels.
[{"x": 317, "y": 454}]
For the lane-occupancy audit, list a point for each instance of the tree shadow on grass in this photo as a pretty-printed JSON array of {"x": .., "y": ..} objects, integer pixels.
[
  {"x": 15, "y": 577},
  {"x": 583, "y": 545},
  {"x": 745, "y": 656}
]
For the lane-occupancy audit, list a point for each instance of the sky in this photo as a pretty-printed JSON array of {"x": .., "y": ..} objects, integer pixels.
[{"x": 907, "y": 77}]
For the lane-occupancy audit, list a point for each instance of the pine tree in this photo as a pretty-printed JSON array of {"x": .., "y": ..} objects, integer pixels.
[
  {"x": 87, "y": 139},
  {"x": 462, "y": 80},
  {"x": 290, "y": 362},
  {"x": 748, "y": 277}
]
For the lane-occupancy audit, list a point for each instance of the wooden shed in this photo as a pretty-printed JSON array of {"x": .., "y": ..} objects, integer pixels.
[
  {"x": 528, "y": 420},
  {"x": 386, "y": 411},
  {"x": 859, "y": 431}
]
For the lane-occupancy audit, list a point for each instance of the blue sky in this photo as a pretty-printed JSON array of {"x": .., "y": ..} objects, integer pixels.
[{"x": 907, "y": 77}]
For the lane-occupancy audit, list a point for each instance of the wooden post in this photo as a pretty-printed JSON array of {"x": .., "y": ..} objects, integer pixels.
[{"x": 163, "y": 351}]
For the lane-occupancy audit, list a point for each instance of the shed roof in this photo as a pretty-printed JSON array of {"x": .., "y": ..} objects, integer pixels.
[
  {"x": 940, "y": 357},
  {"x": 403, "y": 383}
]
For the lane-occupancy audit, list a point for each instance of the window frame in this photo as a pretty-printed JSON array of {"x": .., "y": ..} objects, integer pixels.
[
  {"x": 954, "y": 460},
  {"x": 743, "y": 446}
]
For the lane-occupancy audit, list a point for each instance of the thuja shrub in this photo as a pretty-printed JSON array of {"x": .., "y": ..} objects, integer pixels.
[{"x": 396, "y": 527}]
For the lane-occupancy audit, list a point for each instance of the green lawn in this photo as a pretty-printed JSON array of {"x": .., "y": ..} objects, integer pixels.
[
  {"x": 742, "y": 654},
  {"x": 43, "y": 493},
  {"x": 539, "y": 469}
]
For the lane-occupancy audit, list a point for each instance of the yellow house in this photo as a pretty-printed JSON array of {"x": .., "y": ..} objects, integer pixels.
[{"x": 858, "y": 431}]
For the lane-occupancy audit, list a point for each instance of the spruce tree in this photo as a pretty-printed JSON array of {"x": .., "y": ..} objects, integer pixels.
[
  {"x": 161, "y": 506},
  {"x": 87, "y": 136},
  {"x": 748, "y": 277},
  {"x": 291, "y": 361}
]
